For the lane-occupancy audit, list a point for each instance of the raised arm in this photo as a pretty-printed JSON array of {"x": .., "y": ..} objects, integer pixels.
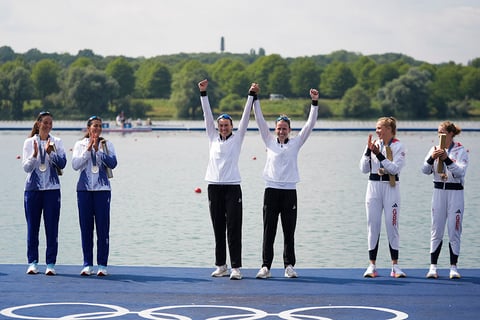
[
  {"x": 207, "y": 111},
  {"x": 312, "y": 116}
]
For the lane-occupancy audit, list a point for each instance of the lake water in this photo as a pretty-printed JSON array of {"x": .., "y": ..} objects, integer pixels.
[{"x": 158, "y": 219}]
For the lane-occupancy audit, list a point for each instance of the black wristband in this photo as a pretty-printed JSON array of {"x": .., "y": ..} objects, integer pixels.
[
  {"x": 314, "y": 102},
  {"x": 380, "y": 157},
  {"x": 253, "y": 94},
  {"x": 448, "y": 161},
  {"x": 430, "y": 160},
  {"x": 203, "y": 93},
  {"x": 368, "y": 153}
]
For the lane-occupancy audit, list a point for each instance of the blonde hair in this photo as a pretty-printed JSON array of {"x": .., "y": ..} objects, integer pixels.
[{"x": 389, "y": 122}]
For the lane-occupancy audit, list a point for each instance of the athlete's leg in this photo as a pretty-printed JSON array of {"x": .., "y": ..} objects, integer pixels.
[
  {"x": 271, "y": 209},
  {"x": 374, "y": 208},
  {"x": 289, "y": 222},
  {"x": 33, "y": 205},
  {"x": 86, "y": 220},
  {"x": 216, "y": 205},
  {"x": 102, "y": 224},
  {"x": 51, "y": 217},
  {"x": 455, "y": 209},
  {"x": 233, "y": 202}
]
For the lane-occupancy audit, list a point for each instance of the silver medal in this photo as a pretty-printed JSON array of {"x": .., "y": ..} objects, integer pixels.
[
  {"x": 94, "y": 169},
  {"x": 42, "y": 167}
]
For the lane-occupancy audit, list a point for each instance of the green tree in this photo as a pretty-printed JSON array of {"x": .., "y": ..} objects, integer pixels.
[
  {"x": 336, "y": 80},
  {"x": 154, "y": 80},
  {"x": 224, "y": 72},
  {"x": 383, "y": 74},
  {"x": 17, "y": 88},
  {"x": 362, "y": 70},
  {"x": 120, "y": 70},
  {"x": 260, "y": 71},
  {"x": 45, "y": 75},
  {"x": 185, "y": 94},
  {"x": 445, "y": 88},
  {"x": 356, "y": 103},
  {"x": 304, "y": 74},
  {"x": 407, "y": 96},
  {"x": 470, "y": 84},
  {"x": 7, "y": 54},
  {"x": 89, "y": 91}
]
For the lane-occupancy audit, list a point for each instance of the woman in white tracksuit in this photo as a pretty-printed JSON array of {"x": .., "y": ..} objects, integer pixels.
[
  {"x": 383, "y": 191},
  {"x": 448, "y": 198}
]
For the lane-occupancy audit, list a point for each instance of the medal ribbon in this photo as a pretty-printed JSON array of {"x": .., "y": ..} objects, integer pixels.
[
  {"x": 93, "y": 154},
  {"x": 42, "y": 151}
]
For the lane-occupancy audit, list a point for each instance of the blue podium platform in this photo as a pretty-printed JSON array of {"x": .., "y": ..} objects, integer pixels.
[{"x": 132, "y": 292}]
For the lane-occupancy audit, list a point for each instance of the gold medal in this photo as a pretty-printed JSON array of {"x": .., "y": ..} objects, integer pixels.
[
  {"x": 381, "y": 171},
  {"x": 444, "y": 176}
]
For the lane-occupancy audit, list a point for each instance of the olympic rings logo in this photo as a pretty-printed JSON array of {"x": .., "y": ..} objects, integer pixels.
[{"x": 186, "y": 312}]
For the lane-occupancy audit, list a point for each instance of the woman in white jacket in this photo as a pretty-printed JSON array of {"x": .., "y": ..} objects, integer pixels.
[
  {"x": 223, "y": 177},
  {"x": 281, "y": 177},
  {"x": 448, "y": 197},
  {"x": 383, "y": 192},
  {"x": 43, "y": 160}
]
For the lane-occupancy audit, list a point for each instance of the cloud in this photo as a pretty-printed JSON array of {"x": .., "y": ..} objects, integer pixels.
[{"x": 429, "y": 30}]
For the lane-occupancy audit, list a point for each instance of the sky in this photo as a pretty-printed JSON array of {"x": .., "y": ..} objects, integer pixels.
[{"x": 434, "y": 31}]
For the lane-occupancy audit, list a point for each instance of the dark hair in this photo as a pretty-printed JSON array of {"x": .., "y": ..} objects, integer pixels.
[
  {"x": 89, "y": 123},
  {"x": 41, "y": 115},
  {"x": 225, "y": 116},
  {"x": 283, "y": 117},
  {"x": 451, "y": 127}
]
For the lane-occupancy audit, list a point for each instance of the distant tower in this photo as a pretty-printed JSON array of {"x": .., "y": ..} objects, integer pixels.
[{"x": 222, "y": 44}]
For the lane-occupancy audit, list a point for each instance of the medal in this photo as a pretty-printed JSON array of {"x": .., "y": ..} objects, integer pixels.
[
  {"x": 43, "y": 154},
  {"x": 381, "y": 171},
  {"x": 93, "y": 154},
  {"x": 444, "y": 176}
]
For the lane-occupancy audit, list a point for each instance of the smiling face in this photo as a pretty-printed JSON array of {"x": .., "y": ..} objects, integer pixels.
[
  {"x": 45, "y": 124},
  {"x": 95, "y": 128},
  {"x": 384, "y": 131},
  {"x": 282, "y": 130},
  {"x": 225, "y": 127}
]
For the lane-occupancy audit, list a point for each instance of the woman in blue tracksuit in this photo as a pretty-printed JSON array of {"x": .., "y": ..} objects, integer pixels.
[
  {"x": 94, "y": 157},
  {"x": 43, "y": 161}
]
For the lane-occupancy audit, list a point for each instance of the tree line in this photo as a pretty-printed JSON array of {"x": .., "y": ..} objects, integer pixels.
[{"x": 77, "y": 86}]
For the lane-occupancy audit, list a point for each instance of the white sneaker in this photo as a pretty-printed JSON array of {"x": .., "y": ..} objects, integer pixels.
[
  {"x": 454, "y": 272},
  {"x": 235, "y": 274},
  {"x": 371, "y": 271},
  {"x": 102, "y": 271},
  {"x": 87, "y": 271},
  {"x": 32, "y": 268},
  {"x": 264, "y": 273},
  {"x": 50, "y": 271},
  {"x": 432, "y": 272},
  {"x": 290, "y": 272},
  {"x": 397, "y": 272},
  {"x": 221, "y": 271}
]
